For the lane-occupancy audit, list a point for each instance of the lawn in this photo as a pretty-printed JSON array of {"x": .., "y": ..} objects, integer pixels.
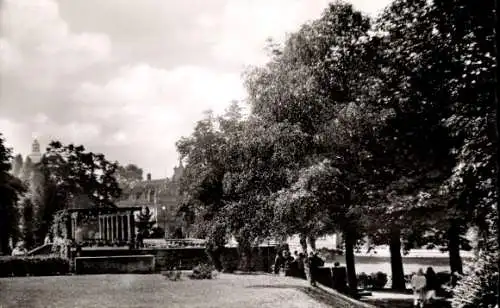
[{"x": 156, "y": 291}]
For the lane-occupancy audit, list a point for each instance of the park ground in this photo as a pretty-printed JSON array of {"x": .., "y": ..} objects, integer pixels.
[{"x": 156, "y": 291}]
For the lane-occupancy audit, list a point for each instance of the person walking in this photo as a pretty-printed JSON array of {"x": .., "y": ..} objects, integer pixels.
[
  {"x": 314, "y": 263},
  {"x": 418, "y": 283},
  {"x": 432, "y": 285}
]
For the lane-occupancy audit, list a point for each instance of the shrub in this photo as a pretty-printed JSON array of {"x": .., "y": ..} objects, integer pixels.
[
  {"x": 479, "y": 288},
  {"x": 173, "y": 274},
  {"x": 378, "y": 280},
  {"x": 202, "y": 271},
  {"x": 364, "y": 281},
  {"x": 33, "y": 266}
]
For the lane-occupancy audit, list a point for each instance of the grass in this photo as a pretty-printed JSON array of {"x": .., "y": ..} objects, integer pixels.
[{"x": 156, "y": 291}]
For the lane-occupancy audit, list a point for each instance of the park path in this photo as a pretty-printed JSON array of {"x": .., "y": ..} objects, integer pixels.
[{"x": 156, "y": 291}]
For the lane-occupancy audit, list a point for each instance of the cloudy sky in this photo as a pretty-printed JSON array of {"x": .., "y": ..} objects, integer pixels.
[{"x": 128, "y": 78}]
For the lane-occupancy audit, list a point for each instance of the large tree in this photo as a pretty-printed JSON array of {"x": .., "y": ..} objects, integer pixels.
[
  {"x": 313, "y": 81},
  {"x": 11, "y": 189},
  {"x": 77, "y": 172},
  {"x": 128, "y": 176},
  {"x": 201, "y": 186},
  {"x": 446, "y": 90}
]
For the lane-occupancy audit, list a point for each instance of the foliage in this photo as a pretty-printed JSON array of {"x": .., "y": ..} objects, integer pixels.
[
  {"x": 33, "y": 266},
  {"x": 60, "y": 223},
  {"x": 373, "y": 281},
  {"x": 17, "y": 165},
  {"x": 128, "y": 176},
  {"x": 143, "y": 223},
  {"x": 76, "y": 172},
  {"x": 202, "y": 271},
  {"x": 172, "y": 275},
  {"x": 11, "y": 188},
  {"x": 479, "y": 288},
  {"x": 28, "y": 229}
]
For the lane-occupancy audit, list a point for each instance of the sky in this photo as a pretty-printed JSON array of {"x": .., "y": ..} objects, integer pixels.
[{"x": 128, "y": 78}]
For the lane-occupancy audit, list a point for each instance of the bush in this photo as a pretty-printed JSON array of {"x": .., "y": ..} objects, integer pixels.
[
  {"x": 479, "y": 288},
  {"x": 378, "y": 280},
  {"x": 202, "y": 271},
  {"x": 364, "y": 281},
  {"x": 374, "y": 281},
  {"x": 173, "y": 274},
  {"x": 33, "y": 266}
]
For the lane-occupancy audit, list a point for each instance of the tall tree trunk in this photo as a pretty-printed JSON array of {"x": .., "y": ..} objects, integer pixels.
[
  {"x": 454, "y": 247},
  {"x": 303, "y": 242},
  {"x": 245, "y": 254},
  {"x": 398, "y": 277},
  {"x": 350, "y": 242},
  {"x": 312, "y": 241}
]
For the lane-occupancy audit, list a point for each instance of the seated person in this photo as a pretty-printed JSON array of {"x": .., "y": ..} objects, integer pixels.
[{"x": 19, "y": 250}]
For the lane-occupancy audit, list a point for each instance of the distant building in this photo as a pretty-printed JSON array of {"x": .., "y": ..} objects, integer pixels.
[
  {"x": 162, "y": 198},
  {"x": 35, "y": 155}
]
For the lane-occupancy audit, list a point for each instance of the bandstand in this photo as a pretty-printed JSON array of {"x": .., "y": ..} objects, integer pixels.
[{"x": 100, "y": 227}]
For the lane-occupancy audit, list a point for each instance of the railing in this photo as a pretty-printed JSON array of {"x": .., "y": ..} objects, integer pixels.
[{"x": 173, "y": 243}]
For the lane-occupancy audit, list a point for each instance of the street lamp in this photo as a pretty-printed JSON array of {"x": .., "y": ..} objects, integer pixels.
[{"x": 164, "y": 208}]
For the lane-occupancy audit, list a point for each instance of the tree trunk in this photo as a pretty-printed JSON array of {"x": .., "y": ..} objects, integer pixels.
[
  {"x": 245, "y": 255},
  {"x": 312, "y": 242},
  {"x": 398, "y": 277},
  {"x": 454, "y": 248},
  {"x": 215, "y": 253},
  {"x": 350, "y": 242},
  {"x": 303, "y": 242}
]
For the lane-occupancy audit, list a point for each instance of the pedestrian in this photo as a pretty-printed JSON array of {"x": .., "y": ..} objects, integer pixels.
[
  {"x": 278, "y": 261},
  {"x": 19, "y": 250},
  {"x": 301, "y": 267},
  {"x": 432, "y": 284},
  {"x": 287, "y": 263},
  {"x": 47, "y": 239},
  {"x": 314, "y": 263},
  {"x": 418, "y": 283}
]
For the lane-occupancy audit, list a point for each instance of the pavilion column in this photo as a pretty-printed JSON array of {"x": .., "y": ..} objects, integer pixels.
[
  {"x": 113, "y": 234},
  {"x": 100, "y": 227},
  {"x": 126, "y": 228},
  {"x": 108, "y": 221},
  {"x": 104, "y": 228},
  {"x": 113, "y": 221},
  {"x": 122, "y": 223},
  {"x": 115, "y": 227},
  {"x": 119, "y": 227},
  {"x": 131, "y": 227},
  {"x": 103, "y": 222}
]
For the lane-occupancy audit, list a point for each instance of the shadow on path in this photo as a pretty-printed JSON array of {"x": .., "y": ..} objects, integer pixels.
[
  {"x": 315, "y": 293},
  {"x": 405, "y": 303}
]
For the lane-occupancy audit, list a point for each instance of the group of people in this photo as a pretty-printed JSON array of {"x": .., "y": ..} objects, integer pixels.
[
  {"x": 298, "y": 265},
  {"x": 425, "y": 285}
]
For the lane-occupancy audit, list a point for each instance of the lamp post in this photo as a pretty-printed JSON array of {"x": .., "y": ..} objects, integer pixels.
[{"x": 164, "y": 209}]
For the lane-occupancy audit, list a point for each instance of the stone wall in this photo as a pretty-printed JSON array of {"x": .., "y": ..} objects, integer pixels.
[{"x": 187, "y": 258}]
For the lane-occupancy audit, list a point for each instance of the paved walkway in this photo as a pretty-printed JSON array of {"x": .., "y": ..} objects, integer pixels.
[
  {"x": 226, "y": 290},
  {"x": 396, "y": 300}
]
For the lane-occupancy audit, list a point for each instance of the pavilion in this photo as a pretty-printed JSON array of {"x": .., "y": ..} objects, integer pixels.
[{"x": 104, "y": 226}]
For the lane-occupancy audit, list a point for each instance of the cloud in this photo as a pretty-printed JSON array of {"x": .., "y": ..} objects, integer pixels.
[
  {"x": 128, "y": 78},
  {"x": 154, "y": 106}
]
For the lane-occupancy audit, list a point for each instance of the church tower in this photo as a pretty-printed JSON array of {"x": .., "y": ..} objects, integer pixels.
[
  {"x": 36, "y": 154},
  {"x": 178, "y": 171}
]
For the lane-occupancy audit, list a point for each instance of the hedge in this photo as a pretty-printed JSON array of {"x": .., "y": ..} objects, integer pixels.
[{"x": 33, "y": 266}]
